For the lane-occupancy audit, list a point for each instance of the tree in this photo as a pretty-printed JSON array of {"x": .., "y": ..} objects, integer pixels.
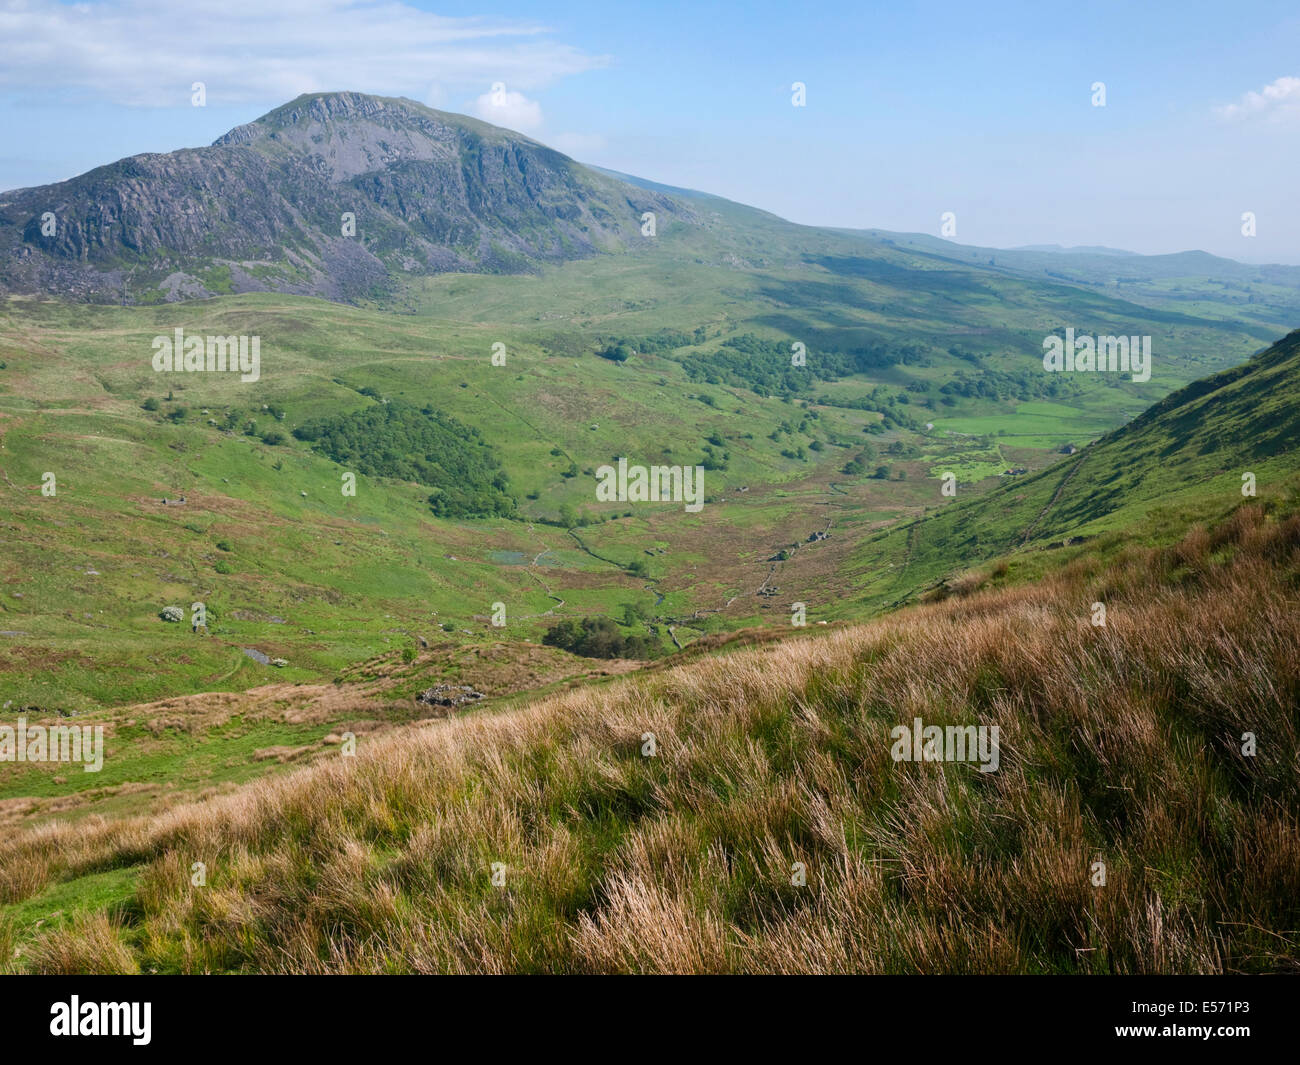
[{"x": 597, "y": 638}]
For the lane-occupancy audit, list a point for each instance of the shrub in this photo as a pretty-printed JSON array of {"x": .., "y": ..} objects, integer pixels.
[
  {"x": 615, "y": 352},
  {"x": 597, "y": 637}
]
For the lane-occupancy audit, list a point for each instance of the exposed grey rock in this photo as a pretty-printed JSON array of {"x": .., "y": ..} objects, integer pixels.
[
  {"x": 431, "y": 193},
  {"x": 449, "y": 696}
]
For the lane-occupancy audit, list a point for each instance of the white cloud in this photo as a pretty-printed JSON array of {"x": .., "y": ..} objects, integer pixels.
[
  {"x": 148, "y": 52},
  {"x": 513, "y": 110},
  {"x": 508, "y": 108},
  {"x": 1280, "y": 98}
]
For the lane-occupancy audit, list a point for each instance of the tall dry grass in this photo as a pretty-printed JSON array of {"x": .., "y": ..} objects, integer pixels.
[{"x": 1119, "y": 745}]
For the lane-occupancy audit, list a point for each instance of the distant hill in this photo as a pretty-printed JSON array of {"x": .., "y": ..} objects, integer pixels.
[
  {"x": 1183, "y": 279},
  {"x": 1080, "y": 249}
]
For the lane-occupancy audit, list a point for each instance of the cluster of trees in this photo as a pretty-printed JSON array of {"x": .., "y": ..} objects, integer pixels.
[
  {"x": 715, "y": 458},
  {"x": 764, "y": 366},
  {"x": 890, "y": 406},
  {"x": 570, "y": 517},
  {"x": 860, "y": 463},
  {"x": 791, "y": 429},
  {"x": 620, "y": 349},
  {"x": 419, "y": 444},
  {"x": 866, "y": 464},
  {"x": 616, "y": 351},
  {"x": 598, "y": 638},
  {"x": 999, "y": 385},
  {"x": 747, "y": 361}
]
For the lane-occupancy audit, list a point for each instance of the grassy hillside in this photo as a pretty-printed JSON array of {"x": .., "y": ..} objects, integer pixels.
[
  {"x": 87, "y": 572},
  {"x": 921, "y": 359},
  {"x": 1182, "y": 460},
  {"x": 1120, "y": 745}
]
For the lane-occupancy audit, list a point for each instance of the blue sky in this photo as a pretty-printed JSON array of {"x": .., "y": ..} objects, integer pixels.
[{"x": 984, "y": 110}]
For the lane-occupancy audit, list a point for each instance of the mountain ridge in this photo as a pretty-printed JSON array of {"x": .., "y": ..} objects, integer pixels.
[
  {"x": 267, "y": 206},
  {"x": 431, "y": 192}
]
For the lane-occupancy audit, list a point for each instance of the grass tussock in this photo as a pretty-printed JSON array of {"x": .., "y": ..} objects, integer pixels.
[{"x": 1120, "y": 745}]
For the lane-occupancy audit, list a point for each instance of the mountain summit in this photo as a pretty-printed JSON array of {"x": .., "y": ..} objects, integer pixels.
[{"x": 333, "y": 195}]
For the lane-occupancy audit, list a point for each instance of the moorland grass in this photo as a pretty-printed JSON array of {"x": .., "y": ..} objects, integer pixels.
[{"x": 1120, "y": 744}]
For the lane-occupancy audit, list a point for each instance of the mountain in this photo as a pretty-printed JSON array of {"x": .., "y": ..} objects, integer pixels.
[
  {"x": 262, "y": 208},
  {"x": 432, "y": 193}
]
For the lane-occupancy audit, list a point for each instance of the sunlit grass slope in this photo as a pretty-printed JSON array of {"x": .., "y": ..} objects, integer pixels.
[{"x": 1120, "y": 745}]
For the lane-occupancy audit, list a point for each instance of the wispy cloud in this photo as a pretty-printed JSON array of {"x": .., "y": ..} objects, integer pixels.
[
  {"x": 147, "y": 53},
  {"x": 513, "y": 110},
  {"x": 1278, "y": 99}
]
